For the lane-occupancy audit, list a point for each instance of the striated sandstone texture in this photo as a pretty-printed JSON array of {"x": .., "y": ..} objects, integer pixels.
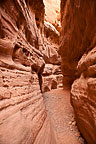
[
  {"x": 83, "y": 96},
  {"x": 22, "y": 110},
  {"x": 24, "y": 52},
  {"x": 78, "y": 52}
]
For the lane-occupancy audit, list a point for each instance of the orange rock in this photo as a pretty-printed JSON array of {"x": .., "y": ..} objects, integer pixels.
[
  {"x": 52, "y": 12},
  {"x": 78, "y": 52}
]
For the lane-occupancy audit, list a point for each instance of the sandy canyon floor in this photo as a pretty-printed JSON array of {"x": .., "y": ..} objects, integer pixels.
[{"x": 60, "y": 125}]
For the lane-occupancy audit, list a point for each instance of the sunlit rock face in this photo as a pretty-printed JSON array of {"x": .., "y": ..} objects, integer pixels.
[
  {"x": 51, "y": 76},
  {"x": 52, "y": 12},
  {"x": 78, "y": 52}
]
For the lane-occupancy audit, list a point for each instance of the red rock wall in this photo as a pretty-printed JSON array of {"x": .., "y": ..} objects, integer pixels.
[
  {"x": 22, "y": 111},
  {"x": 77, "y": 34},
  {"x": 78, "y": 52},
  {"x": 23, "y": 53},
  {"x": 83, "y": 96}
]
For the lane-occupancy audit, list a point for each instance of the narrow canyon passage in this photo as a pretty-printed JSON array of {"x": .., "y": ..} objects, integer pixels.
[
  {"x": 61, "y": 125},
  {"x": 47, "y": 71}
]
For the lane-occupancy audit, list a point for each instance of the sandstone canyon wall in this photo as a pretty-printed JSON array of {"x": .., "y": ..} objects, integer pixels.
[
  {"x": 22, "y": 111},
  {"x": 78, "y": 52},
  {"x": 24, "y": 51},
  {"x": 52, "y": 76}
]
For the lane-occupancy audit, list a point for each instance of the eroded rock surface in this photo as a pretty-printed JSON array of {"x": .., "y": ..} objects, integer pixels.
[
  {"x": 22, "y": 110},
  {"x": 77, "y": 34},
  {"x": 78, "y": 52},
  {"x": 23, "y": 56},
  {"x": 83, "y": 96},
  {"x": 52, "y": 12},
  {"x": 52, "y": 76}
]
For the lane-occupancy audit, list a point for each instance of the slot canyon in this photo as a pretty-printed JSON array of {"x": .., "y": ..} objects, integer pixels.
[{"x": 47, "y": 72}]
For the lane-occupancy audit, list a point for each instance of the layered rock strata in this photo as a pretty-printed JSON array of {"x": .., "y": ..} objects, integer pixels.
[
  {"x": 22, "y": 111},
  {"x": 78, "y": 52},
  {"x": 23, "y": 53},
  {"x": 83, "y": 96},
  {"x": 52, "y": 76}
]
